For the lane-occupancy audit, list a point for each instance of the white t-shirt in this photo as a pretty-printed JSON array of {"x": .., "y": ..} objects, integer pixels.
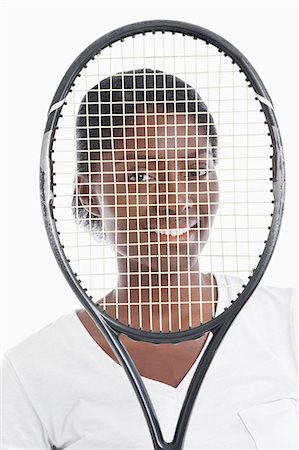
[{"x": 61, "y": 390}]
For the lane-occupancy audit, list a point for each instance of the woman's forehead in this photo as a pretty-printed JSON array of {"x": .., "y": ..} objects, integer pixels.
[
  {"x": 165, "y": 131},
  {"x": 156, "y": 154},
  {"x": 163, "y": 123}
]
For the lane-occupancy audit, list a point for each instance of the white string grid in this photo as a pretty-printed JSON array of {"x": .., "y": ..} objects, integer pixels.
[{"x": 162, "y": 171}]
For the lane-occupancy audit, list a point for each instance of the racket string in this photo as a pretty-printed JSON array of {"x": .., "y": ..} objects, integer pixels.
[{"x": 158, "y": 97}]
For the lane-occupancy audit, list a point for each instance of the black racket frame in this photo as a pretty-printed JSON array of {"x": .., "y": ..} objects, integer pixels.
[{"x": 110, "y": 328}]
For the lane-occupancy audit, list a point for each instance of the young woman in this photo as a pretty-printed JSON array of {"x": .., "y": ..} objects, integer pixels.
[
  {"x": 146, "y": 185},
  {"x": 153, "y": 193}
]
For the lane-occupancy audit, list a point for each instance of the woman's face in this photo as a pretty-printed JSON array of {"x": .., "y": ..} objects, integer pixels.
[{"x": 157, "y": 192}]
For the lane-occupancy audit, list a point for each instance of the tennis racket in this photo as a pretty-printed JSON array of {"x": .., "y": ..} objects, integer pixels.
[{"x": 162, "y": 186}]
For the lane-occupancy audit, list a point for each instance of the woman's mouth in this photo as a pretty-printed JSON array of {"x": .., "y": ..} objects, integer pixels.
[{"x": 172, "y": 234}]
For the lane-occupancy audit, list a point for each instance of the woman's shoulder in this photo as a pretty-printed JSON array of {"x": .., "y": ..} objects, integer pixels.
[
  {"x": 269, "y": 318},
  {"x": 50, "y": 341},
  {"x": 266, "y": 296},
  {"x": 277, "y": 303}
]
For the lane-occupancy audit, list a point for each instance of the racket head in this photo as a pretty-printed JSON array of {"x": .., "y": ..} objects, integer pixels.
[{"x": 275, "y": 180}]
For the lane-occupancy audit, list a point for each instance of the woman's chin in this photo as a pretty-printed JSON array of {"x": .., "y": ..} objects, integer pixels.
[
  {"x": 168, "y": 263},
  {"x": 165, "y": 253}
]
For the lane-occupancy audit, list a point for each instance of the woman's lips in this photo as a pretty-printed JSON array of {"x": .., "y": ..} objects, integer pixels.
[{"x": 173, "y": 234}]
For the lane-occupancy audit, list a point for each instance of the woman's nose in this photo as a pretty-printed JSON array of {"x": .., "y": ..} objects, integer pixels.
[{"x": 173, "y": 197}]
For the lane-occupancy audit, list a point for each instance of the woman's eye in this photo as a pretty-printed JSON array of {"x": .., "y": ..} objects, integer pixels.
[
  {"x": 139, "y": 177},
  {"x": 200, "y": 173}
]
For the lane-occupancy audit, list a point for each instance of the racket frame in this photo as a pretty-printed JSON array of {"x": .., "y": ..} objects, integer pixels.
[{"x": 111, "y": 328}]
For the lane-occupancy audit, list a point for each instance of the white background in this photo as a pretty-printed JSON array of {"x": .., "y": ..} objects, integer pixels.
[{"x": 40, "y": 41}]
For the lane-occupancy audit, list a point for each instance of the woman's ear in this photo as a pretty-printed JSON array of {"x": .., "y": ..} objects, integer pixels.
[{"x": 87, "y": 196}]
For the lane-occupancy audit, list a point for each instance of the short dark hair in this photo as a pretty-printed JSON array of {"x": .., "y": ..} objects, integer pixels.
[{"x": 113, "y": 103}]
